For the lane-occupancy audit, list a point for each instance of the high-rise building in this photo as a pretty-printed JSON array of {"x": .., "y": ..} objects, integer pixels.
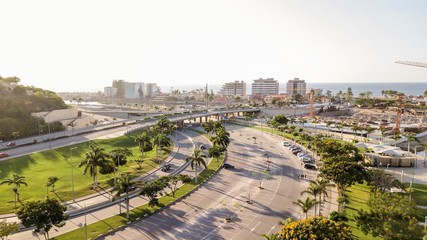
[
  {"x": 264, "y": 87},
  {"x": 232, "y": 89},
  {"x": 296, "y": 86},
  {"x": 120, "y": 86},
  {"x": 134, "y": 90},
  {"x": 150, "y": 90},
  {"x": 110, "y": 92}
]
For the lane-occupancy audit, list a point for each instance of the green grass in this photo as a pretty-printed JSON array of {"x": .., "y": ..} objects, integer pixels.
[
  {"x": 357, "y": 196},
  {"x": 114, "y": 222},
  {"x": 419, "y": 193},
  {"x": 37, "y": 167}
]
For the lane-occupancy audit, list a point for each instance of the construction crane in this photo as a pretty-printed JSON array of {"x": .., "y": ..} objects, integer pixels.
[
  {"x": 416, "y": 64},
  {"x": 399, "y": 112},
  {"x": 311, "y": 100}
]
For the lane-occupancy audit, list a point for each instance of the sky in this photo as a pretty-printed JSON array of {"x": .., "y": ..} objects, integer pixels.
[{"x": 83, "y": 45}]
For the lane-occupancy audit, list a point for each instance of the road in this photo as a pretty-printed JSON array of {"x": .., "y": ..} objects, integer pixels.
[
  {"x": 187, "y": 141},
  {"x": 201, "y": 215}
]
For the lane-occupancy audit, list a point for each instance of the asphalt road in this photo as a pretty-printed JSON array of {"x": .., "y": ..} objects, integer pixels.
[
  {"x": 187, "y": 140},
  {"x": 201, "y": 215}
]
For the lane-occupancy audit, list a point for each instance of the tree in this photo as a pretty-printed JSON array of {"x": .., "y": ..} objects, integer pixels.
[
  {"x": 344, "y": 173},
  {"x": 51, "y": 183},
  {"x": 306, "y": 205},
  {"x": 215, "y": 152},
  {"x": 396, "y": 136},
  {"x": 221, "y": 138},
  {"x": 390, "y": 216},
  {"x": 382, "y": 181},
  {"x": 317, "y": 228},
  {"x": 349, "y": 94},
  {"x": 95, "y": 158},
  {"x": 124, "y": 185},
  {"x": 171, "y": 181},
  {"x": 144, "y": 143},
  {"x": 273, "y": 236},
  {"x": 151, "y": 189},
  {"x": 410, "y": 136},
  {"x": 279, "y": 120},
  {"x": 43, "y": 215},
  {"x": 316, "y": 189},
  {"x": 7, "y": 228},
  {"x": 119, "y": 157},
  {"x": 17, "y": 181},
  {"x": 196, "y": 160},
  {"x": 161, "y": 141}
]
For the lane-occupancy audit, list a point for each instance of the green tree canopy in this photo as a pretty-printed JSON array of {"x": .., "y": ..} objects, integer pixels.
[
  {"x": 43, "y": 215},
  {"x": 390, "y": 216}
]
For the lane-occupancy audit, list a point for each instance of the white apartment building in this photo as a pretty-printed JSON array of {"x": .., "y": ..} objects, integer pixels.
[
  {"x": 232, "y": 89},
  {"x": 296, "y": 86},
  {"x": 131, "y": 90},
  {"x": 264, "y": 87}
]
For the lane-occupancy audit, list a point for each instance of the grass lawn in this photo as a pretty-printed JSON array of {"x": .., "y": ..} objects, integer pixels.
[
  {"x": 357, "y": 196},
  {"x": 419, "y": 193},
  {"x": 37, "y": 167},
  {"x": 103, "y": 226}
]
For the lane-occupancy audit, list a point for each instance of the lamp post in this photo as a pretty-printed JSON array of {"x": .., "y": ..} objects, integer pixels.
[{"x": 72, "y": 171}]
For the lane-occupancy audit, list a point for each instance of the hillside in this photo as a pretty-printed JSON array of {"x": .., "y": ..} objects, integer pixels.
[{"x": 17, "y": 102}]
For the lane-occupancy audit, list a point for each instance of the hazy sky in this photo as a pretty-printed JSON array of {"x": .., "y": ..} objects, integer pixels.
[{"x": 83, "y": 45}]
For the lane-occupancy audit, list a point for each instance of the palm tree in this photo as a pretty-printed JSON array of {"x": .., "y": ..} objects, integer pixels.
[
  {"x": 208, "y": 127},
  {"x": 382, "y": 130},
  {"x": 306, "y": 205},
  {"x": 17, "y": 181},
  {"x": 119, "y": 157},
  {"x": 215, "y": 152},
  {"x": 196, "y": 160},
  {"x": 321, "y": 185},
  {"x": 410, "y": 136},
  {"x": 396, "y": 136},
  {"x": 315, "y": 190},
  {"x": 161, "y": 141},
  {"x": 144, "y": 143},
  {"x": 95, "y": 158},
  {"x": 221, "y": 139},
  {"x": 124, "y": 185}
]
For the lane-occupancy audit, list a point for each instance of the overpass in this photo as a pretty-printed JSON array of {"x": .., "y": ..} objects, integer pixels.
[{"x": 177, "y": 118}]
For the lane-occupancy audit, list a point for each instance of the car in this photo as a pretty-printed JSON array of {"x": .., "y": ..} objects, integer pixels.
[
  {"x": 310, "y": 166},
  {"x": 307, "y": 160},
  {"x": 301, "y": 154},
  {"x": 295, "y": 151},
  {"x": 11, "y": 144},
  {"x": 3, "y": 155},
  {"x": 227, "y": 166},
  {"x": 166, "y": 167},
  {"x": 286, "y": 144}
]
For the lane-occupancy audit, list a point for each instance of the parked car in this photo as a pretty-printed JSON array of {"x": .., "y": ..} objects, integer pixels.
[
  {"x": 286, "y": 144},
  {"x": 166, "y": 167},
  {"x": 227, "y": 166},
  {"x": 295, "y": 151},
  {"x": 3, "y": 155},
  {"x": 307, "y": 160},
  {"x": 301, "y": 154},
  {"x": 11, "y": 144},
  {"x": 310, "y": 166}
]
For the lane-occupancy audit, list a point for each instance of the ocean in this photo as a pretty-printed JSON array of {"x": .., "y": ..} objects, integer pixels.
[{"x": 410, "y": 88}]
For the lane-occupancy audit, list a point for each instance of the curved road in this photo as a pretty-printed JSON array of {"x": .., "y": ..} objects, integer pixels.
[{"x": 201, "y": 215}]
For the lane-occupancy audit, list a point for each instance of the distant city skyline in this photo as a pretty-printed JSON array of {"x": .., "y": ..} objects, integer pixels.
[{"x": 84, "y": 45}]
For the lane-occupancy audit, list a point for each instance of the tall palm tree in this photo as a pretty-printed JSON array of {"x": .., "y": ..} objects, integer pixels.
[
  {"x": 396, "y": 136},
  {"x": 196, "y": 160},
  {"x": 17, "y": 181},
  {"x": 306, "y": 205},
  {"x": 410, "y": 136},
  {"x": 119, "y": 157},
  {"x": 322, "y": 186},
  {"x": 144, "y": 143},
  {"x": 124, "y": 185},
  {"x": 95, "y": 158},
  {"x": 208, "y": 127},
  {"x": 315, "y": 190},
  {"x": 161, "y": 141},
  {"x": 221, "y": 139},
  {"x": 215, "y": 152},
  {"x": 382, "y": 130}
]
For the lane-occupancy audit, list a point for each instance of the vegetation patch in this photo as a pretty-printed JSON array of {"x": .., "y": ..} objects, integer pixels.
[
  {"x": 356, "y": 198},
  {"x": 115, "y": 222}
]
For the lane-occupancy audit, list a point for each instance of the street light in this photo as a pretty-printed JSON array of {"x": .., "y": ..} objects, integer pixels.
[{"x": 72, "y": 171}]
